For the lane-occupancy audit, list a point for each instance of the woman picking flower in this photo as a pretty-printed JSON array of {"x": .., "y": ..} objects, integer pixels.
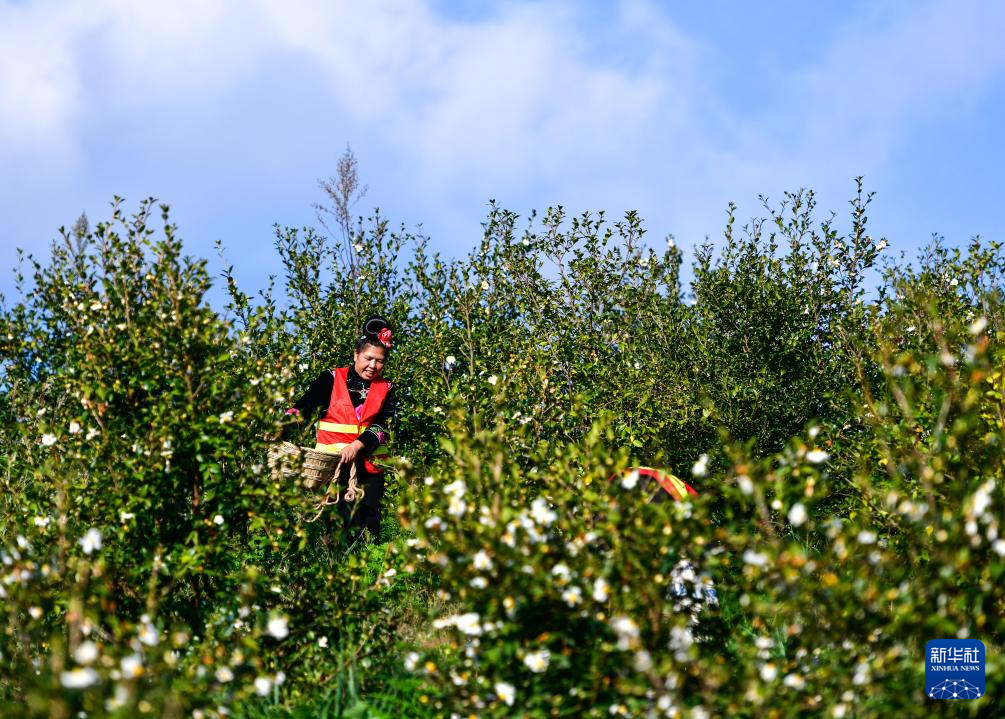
[{"x": 354, "y": 406}]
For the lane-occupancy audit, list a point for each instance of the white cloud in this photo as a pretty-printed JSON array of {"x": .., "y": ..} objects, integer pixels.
[
  {"x": 40, "y": 90},
  {"x": 181, "y": 46},
  {"x": 882, "y": 74},
  {"x": 518, "y": 92},
  {"x": 507, "y": 87},
  {"x": 528, "y": 100}
]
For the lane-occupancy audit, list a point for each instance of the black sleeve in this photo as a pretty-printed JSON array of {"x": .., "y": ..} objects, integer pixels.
[
  {"x": 316, "y": 398},
  {"x": 378, "y": 432}
]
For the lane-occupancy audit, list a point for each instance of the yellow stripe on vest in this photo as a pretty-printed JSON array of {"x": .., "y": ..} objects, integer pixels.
[
  {"x": 346, "y": 428},
  {"x": 331, "y": 448},
  {"x": 339, "y": 446}
]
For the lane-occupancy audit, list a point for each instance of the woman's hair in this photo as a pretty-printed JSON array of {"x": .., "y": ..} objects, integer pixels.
[
  {"x": 364, "y": 342},
  {"x": 376, "y": 333}
]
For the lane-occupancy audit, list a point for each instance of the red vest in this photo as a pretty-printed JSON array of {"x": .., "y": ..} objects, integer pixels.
[{"x": 340, "y": 426}]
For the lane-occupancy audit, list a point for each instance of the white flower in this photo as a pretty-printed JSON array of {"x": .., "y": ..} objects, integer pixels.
[
  {"x": 954, "y": 282},
  {"x": 457, "y": 507},
  {"x": 866, "y": 537},
  {"x": 224, "y": 675},
  {"x": 91, "y": 434},
  {"x": 492, "y": 380},
  {"x": 572, "y": 596},
  {"x": 466, "y": 623},
  {"x": 861, "y": 674},
  {"x": 630, "y": 480},
  {"x": 86, "y": 653},
  {"x": 509, "y": 604},
  {"x": 881, "y": 245},
  {"x": 745, "y": 485},
  {"x": 48, "y": 439},
  {"x": 411, "y": 661},
  {"x": 479, "y": 582},
  {"x": 323, "y": 642},
  {"x": 700, "y": 468},
  {"x": 35, "y": 612},
  {"x": 642, "y": 661},
  {"x": 91, "y": 541},
  {"x": 978, "y": 326},
  {"x": 434, "y": 523},
  {"x": 278, "y": 627},
  {"x": 505, "y": 692},
  {"x": 624, "y": 626},
  {"x": 485, "y": 284},
  {"x": 999, "y": 547},
  {"x": 125, "y": 516},
  {"x": 627, "y": 631},
  {"x": 912, "y": 509},
  {"x": 455, "y": 489},
  {"x": 450, "y": 362},
  {"x": 263, "y": 685},
  {"x": 541, "y": 513},
  {"x": 42, "y": 521},
  {"x": 218, "y": 520},
  {"x": 149, "y": 635},
  {"x": 95, "y": 306},
  {"x": 481, "y": 561},
  {"x": 755, "y": 558},
  {"x": 814, "y": 431},
  {"x": 132, "y": 666},
  {"x": 226, "y": 417},
  {"x": 601, "y": 590},
  {"x": 797, "y": 514},
  {"x": 816, "y": 456},
  {"x": 561, "y": 571},
  {"x": 74, "y": 427},
  {"x": 537, "y": 661},
  {"x": 794, "y": 680},
  {"x": 78, "y": 678},
  {"x": 982, "y": 497},
  {"x": 768, "y": 672}
]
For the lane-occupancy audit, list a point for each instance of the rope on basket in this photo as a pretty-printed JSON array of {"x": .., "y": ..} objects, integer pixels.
[{"x": 352, "y": 492}]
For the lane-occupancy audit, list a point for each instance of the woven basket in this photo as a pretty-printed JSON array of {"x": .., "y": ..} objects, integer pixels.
[{"x": 314, "y": 469}]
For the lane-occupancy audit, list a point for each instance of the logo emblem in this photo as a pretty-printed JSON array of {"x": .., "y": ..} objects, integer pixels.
[{"x": 954, "y": 669}]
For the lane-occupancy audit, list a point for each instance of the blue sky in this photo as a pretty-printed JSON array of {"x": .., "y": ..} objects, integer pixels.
[{"x": 230, "y": 111}]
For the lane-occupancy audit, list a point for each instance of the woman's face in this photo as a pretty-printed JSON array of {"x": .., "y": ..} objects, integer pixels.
[{"x": 369, "y": 361}]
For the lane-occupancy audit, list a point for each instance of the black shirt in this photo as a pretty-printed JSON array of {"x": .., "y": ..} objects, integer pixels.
[{"x": 313, "y": 405}]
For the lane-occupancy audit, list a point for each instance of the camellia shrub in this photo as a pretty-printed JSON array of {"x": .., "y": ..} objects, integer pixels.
[
  {"x": 840, "y": 415},
  {"x": 152, "y": 566},
  {"x": 556, "y": 592}
]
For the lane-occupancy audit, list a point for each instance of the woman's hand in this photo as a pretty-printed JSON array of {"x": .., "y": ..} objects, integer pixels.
[{"x": 349, "y": 452}]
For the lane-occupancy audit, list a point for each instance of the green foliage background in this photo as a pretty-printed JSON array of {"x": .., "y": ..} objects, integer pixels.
[{"x": 840, "y": 413}]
